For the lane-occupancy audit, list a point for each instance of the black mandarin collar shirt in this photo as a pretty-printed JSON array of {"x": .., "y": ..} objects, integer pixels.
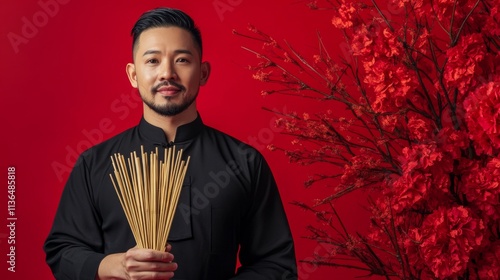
[
  {"x": 229, "y": 206},
  {"x": 184, "y": 132}
]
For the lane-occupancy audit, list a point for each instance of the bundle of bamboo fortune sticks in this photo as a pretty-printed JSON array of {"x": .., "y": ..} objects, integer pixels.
[{"x": 148, "y": 191}]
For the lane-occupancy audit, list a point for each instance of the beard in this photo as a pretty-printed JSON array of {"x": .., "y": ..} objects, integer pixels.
[{"x": 170, "y": 109}]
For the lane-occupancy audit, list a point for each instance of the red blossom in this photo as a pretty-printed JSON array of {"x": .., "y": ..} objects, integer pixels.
[
  {"x": 360, "y": 169},
  {"x": 344, "y": 16},
  {"x": 481, "y": 186},
  {"x": 483, "y": 116},
  {"x": 464, "y": 63},
  {"x": 419, "y": 128},
  {"x": 362, "y": 42},
  {"x": 410, "y": 189},
  {"x": 446, "y": 240},
  {"x": 425, "y": 178},
  {"x": 262, "y": 76},
  {"x": 390, "y": 82},
  {"x": 452, "y": 141},
  {"x": 389, "y": 122},
  {"x": 423, "y": 156}
]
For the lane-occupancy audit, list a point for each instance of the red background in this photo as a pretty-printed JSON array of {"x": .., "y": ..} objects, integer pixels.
[{"x": 69, "y": 77}]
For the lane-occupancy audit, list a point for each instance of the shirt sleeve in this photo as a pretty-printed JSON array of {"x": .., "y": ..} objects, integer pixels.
[
  {"x": 267, "y": 250},
  {"x": 74, "y": 243}
]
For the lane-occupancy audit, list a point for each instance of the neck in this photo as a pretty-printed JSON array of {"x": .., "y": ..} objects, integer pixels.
[{"x": 169, "y": 124}]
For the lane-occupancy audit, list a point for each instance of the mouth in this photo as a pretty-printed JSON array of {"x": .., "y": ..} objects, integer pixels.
[{"x": 168, "y": 90}]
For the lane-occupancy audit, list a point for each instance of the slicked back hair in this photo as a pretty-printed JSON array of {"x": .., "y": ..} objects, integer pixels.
[{"x": 166, "y": 17}]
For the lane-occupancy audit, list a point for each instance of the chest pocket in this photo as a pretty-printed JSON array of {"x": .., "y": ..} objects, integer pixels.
[{"x": 182, "y": 225}]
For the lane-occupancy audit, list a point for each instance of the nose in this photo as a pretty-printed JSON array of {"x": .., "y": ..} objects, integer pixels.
[{"x": 167, "y": 72}]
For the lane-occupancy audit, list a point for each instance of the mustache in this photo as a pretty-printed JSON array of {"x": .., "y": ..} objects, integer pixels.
[{"x": 167, "y": 83}]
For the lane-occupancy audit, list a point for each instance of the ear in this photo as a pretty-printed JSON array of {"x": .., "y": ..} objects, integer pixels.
[
  {"x": 132, "y": 77},
  {"x": 205, "y": 72}
]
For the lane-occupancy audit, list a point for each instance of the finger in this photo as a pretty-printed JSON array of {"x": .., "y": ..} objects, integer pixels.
[
  {"x": 135, "y": 267},
  {"x": 148, "y": 255},
  {"x": 151, "y": 275},
  {"x": 168, "y": 248}
]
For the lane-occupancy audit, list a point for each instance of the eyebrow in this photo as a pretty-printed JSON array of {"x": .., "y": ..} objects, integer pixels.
[{"x": 179, "y": 51}]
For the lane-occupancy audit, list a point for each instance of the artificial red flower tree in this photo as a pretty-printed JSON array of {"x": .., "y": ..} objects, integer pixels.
[{"x": 421, "y": 132}]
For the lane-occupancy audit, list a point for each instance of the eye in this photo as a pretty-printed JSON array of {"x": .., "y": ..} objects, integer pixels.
[
  {"x": 182, "y": 60},
  {"x": 152, "y": 61}
]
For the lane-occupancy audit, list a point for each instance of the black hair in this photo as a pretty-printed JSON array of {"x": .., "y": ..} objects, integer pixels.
[{"x": 165, "y": 17}]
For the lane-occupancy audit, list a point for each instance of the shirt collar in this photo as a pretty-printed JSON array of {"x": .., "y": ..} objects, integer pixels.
[{"x": 184, "y": 132}]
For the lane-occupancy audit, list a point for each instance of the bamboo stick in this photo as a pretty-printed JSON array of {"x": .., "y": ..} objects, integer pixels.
[{"x": 148, "y": 190}]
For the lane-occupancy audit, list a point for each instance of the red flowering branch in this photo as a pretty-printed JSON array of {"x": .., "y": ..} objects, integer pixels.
[{"x": 419, "y": 130}]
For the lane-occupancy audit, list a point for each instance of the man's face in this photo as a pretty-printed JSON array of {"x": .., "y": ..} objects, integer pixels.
[{"x": 167, "y": 70}]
